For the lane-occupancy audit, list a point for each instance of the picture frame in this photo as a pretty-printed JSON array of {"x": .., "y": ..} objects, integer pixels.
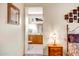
[
  {"x": 13, "y": 14},
  {"x": 70, "y": 14},
  {"x": 78, "y": 20},
  {"x": 74, "y": 11},
  {"x": 75, "y": 17},
  {"x": 70, "y": 20},
  {"x": 66, "y": 17}
]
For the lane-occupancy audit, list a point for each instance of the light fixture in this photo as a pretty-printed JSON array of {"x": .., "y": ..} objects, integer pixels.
[{"x": 52, "y": 38}]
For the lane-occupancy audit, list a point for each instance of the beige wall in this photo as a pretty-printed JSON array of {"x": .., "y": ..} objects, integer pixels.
[
  {"x": 54, "y": 21},
  {"x": 54, "y": 13},
  {"x": 11, "y": 36}
]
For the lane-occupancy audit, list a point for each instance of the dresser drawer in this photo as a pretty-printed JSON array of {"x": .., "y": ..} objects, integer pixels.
[
  {"x": 55, "y": 54},
  {"x": 55, "y": 50},
  {"x": 36, "y": 39}
]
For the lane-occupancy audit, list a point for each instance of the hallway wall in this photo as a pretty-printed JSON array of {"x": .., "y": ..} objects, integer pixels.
[{"x": 11, "y": 36}]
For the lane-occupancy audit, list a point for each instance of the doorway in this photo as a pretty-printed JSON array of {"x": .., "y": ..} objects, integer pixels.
[{"x": 34, "y": 31}]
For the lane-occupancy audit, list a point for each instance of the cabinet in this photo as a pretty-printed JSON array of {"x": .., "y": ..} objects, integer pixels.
[
  {"x": 35, "y": 39},
  {"x": 55, "y": 50}
]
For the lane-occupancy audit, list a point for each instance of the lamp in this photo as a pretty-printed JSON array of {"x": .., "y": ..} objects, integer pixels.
[{"x": 52, "y": 38}]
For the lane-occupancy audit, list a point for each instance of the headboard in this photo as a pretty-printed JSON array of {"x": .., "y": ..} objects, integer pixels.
[{"x": 73, "y": 41}]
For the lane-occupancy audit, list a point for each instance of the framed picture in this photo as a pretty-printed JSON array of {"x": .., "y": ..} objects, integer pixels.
[
  {"x": 13, "y": 14},
  {"x": 70, "y": 14},
  {"x": 74, "y": 11},
  {"x": 78, "y": 20},
  {"x": 75, "y": 17},
  {"x": 70, "y": 20},
  {"x": 66, "y": 17}
]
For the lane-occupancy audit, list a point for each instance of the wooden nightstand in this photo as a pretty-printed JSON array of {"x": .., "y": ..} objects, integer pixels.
[{"x": 55, "y": 50}]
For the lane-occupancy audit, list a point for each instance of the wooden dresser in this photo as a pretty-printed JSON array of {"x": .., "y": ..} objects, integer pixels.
[
  {"x": 55, "y": 50},
  {"x": 36, "y": 39}
]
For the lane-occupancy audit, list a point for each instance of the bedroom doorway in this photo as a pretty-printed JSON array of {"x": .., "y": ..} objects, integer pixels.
[{"x": 34, "y": 31}]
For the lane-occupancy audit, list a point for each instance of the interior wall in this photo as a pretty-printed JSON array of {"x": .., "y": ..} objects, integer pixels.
[
  {"x": 55, "y": 15},
  {"x": 11, "y": 36},
  {"x": 54, "y": 22}
]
